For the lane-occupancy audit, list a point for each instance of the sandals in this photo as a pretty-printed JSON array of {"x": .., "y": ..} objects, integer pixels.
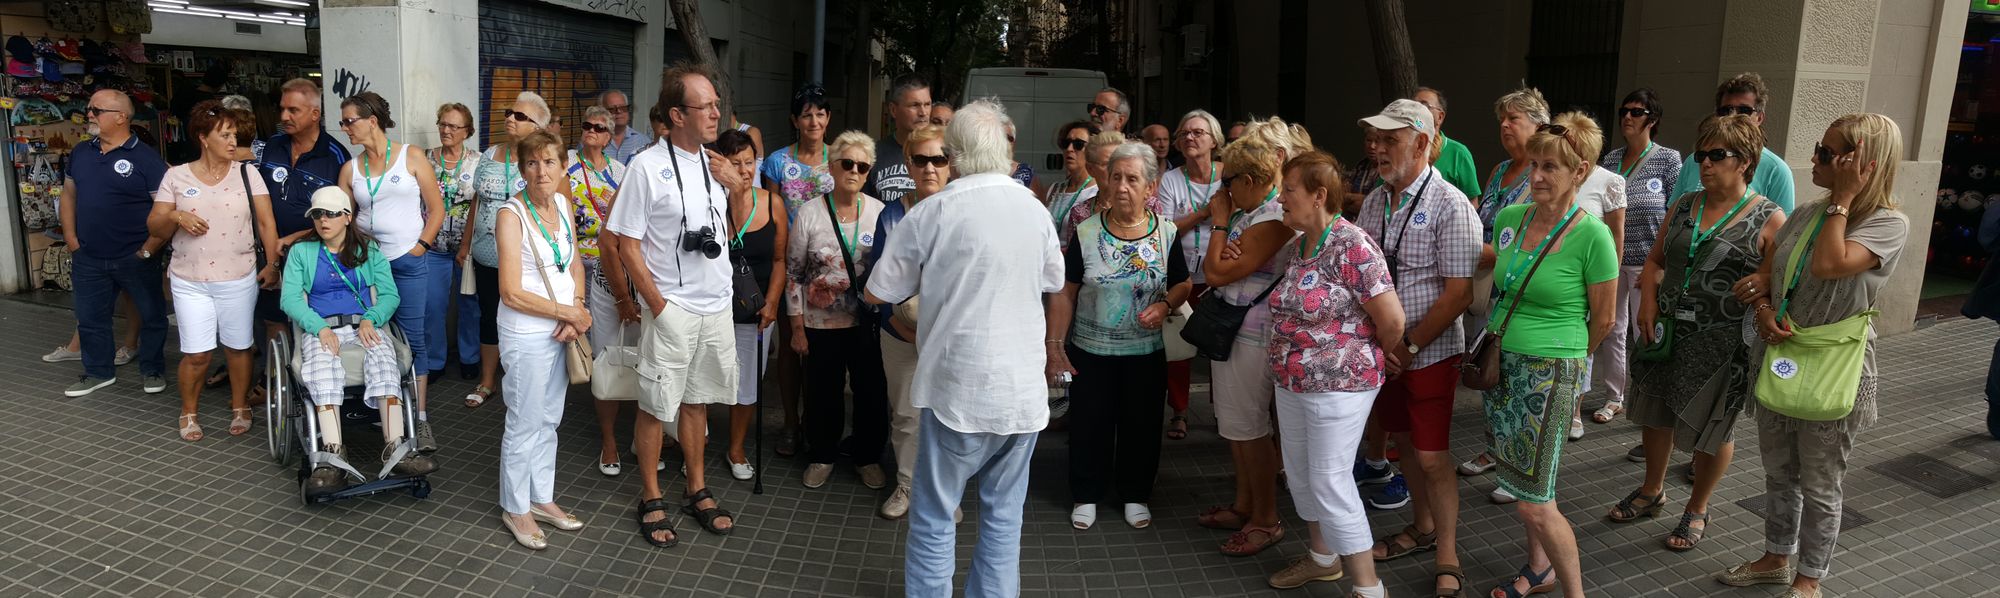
[
  {"x": 1177, "y": 427},
  {"x": 478, "y": 396},
  {"x": 1477, "y": 465},
  {"x": 1686, "y": 532},
  {"x": 1419, "y": 542},
  {"x": 1242, "y": 543},
  {"x": 1537, "y": 583},
  {"x": 708, "y": 516},
  {"x": 665, "y": 524},
  {"x": 1608, "y": 412},
  {"x": 1455, "y": 573},
  {"x": 1222, "y": 518},
  {"x": 1628, "y": 510},
  {"x": 240, "y": 423},
  {"x": 190, "y": 431}
]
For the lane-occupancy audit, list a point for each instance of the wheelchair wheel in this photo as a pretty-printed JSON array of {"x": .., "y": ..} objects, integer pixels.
[
  {"x": 421, "y": 490},
  {"x": 278, "y": 406}
]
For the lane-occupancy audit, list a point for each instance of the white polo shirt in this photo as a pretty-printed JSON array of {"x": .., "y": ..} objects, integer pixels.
[{"x": 651, "y": 208}]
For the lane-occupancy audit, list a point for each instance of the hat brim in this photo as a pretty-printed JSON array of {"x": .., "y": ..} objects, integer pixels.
[{"x": 1383, "y": 122}]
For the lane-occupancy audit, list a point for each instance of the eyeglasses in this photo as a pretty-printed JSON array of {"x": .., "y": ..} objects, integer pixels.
[
  {"x": 921, "y": 160},
  {"x": 1097, "y": 109},
  {"x": 595, "y": 128},
  {"x": 1736, "y": 110},
  {"x": 1072, "y": 144},
  {"x": 1193, "y": 134},
  {"x": 854, "y": 166},
  {"x": 1635, "y": 112},
  {"x": 516, "y": 115},
  {"x": 319, "y": 214},
  {"x": 1825, "y": 155},
  {"x": 346, "y": 122},
  {"x": 619, "y": 109},
  {"x": 715, "y": 106},
  {"x": 94, "y": 111},
  {"x": 1715, "y": 155},
  {"x": 444, "y": 127}
]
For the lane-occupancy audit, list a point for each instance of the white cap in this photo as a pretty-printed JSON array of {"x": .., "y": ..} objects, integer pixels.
[
  {"x": 1400, "y": 114},
  {"x": 332, "y": 199}
]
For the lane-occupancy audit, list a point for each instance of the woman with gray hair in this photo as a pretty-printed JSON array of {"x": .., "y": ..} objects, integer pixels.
[
  {"x": 497, "y": 179},
  {"x": 1124, "y": 273},
  {"x": 593, "y": 186},
  {"x": 1183, "y": 195}
]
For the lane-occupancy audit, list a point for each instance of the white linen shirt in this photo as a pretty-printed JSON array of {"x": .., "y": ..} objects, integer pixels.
[
  {"x": 649, "y": 208},
  {"x": 983, "y": 253}
]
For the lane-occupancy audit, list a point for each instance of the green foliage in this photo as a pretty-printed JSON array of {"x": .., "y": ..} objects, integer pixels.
[{"x": 940, "y": 39}]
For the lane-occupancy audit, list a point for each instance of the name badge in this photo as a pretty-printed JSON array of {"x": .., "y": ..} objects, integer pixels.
[{"x": 1684, "y": 315}]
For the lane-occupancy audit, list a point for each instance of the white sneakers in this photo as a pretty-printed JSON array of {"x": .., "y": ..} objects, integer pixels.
[{"x": 1137, "y": 515}]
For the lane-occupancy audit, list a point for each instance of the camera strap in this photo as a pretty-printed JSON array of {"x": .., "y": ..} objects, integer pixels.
[{"x": 708, "y": 189}]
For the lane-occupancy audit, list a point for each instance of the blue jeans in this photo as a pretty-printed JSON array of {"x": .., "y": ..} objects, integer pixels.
[
  {"x": 413, "y": 283},
  {"x": 946, "y": 459},
  {"x": 468, "y": 318},
  {"x": 97, "y": 283},
  {"x": 437, "y": 299}
]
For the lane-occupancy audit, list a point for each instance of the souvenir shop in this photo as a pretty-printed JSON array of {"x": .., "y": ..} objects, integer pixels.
[{"x": 1971, "y": 178}]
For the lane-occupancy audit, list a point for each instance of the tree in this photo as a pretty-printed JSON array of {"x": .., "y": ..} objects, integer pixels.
[
  {"x": 1395, "y": 64},
  {"x": 687, "y": 16},
  {"x": 940, "y": 40}
]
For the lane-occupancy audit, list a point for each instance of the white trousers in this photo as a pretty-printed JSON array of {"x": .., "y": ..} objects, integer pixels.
[
  {"x": 536, "y": 382},
  {"x": 1610, "y": 366},
  {"x": 752, "y": 357},
  {"x": 1319, "y": 433}
]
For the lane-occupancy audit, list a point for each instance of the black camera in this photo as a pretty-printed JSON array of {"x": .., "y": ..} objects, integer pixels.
[{"x": 701, "y": 241}]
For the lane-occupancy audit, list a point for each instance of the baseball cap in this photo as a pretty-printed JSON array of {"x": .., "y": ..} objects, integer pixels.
[
  {"x": 331, "y": 198},
  {"x": 1400, "y": 114}
]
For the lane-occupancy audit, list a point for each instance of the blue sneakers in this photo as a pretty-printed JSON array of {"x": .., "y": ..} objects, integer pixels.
[
  {"x": 1391, "y": 496},
  {"x": 1365, "y": 474}
]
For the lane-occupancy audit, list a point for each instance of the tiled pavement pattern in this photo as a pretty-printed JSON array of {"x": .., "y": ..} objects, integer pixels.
[{"x": 97, "y": 497}]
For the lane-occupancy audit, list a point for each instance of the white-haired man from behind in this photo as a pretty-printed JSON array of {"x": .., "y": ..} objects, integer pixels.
[{"x": 986, "y": 259}]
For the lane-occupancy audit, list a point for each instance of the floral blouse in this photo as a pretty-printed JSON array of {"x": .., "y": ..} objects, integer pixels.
[
  {"x": 797, "y": 181},
  {"x": 593, "y": 189},
  {"x": 1321, "y": 338},
  {"x": 456, "y": 185},
  {"x": 817, "y": 285}
]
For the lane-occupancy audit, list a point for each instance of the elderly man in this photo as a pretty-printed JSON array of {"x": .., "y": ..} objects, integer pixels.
[
  {"x": 625, "y": 140},
  {"x": 1110, "y": 110},
  {"x": 1745, "y": 94},
  {"x": 1429, "y": 235},
  {"x": 909, "y": 105},
  {"x": 295, "y": 162},
  {"x": 1158, "y": 138},
  {"x": 1454, "y": 161},
  {"x": 671, "y": 235},
  {"x": 985, "y": 257},
  {"x": 107, "y": 193}
]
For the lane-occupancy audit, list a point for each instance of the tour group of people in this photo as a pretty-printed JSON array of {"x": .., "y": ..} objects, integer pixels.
[{"x": 1340, "y": 305}]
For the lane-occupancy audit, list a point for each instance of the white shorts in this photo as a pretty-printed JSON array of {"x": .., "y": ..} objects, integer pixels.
[
  {"x": 1242, "y": 392},
  {"x": 747, "y": 349},
  {"x": 208, "y": 311},
  {"x": 686, "y": 359}
]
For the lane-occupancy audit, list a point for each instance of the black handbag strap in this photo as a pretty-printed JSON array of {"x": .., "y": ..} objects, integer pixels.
[
  {"x": 1522, "y": 289},
  {"x": 846, "y": 257}
]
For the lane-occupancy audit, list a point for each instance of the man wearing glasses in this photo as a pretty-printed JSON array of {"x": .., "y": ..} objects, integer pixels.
[
  {"x": 111, "y": 180},
  {"x": 1110, "y": 110},
  {"x": 297, "y": 161},
  {"x": 1744, "y": 94},
  {"x": 625, "y": 140}
]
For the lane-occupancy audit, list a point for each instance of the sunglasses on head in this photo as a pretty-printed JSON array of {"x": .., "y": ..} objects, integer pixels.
[
  {"x": 1097, "y": 109},
  {"x": 855, "y": 166},
  {"x": 1553, "y": 129},
  {"x": 519, "y": 116},
  {"x": 319, "y": 214},
  {"x": 921, "y": 160},
  {"x": 1737, "y": 110},
  {"x": 1072, "y": 144},
  {"x": 1715, "y": 155},
  {"x": 595, "y": 128},
  {"x": 1638, "y": 112}
]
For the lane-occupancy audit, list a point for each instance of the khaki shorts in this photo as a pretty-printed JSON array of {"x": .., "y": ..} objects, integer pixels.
[
  {"x": 686, "y": 359},
  {"x": 1243, "y": 390}
]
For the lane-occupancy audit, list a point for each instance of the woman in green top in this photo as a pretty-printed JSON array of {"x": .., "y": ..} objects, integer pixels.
[{"x": 1552, "y": 320}]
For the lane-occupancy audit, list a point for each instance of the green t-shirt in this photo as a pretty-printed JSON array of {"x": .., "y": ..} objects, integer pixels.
[
  {"x": 1555, "y": 312},
  {"x": 1455, "y": 163},
  {"x": 1773, "y": 179}
]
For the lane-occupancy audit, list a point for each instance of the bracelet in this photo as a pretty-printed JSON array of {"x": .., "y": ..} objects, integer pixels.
[
  {"x": 1765, "y": 306},
  {"x": 1057, "y": 342}
]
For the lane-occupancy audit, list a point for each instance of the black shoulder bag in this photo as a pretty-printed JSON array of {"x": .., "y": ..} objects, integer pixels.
[
  {"x": 864, "y": 314},
  {"x": 747, "y": 293},
  {"x": 1212, "y": 327}
]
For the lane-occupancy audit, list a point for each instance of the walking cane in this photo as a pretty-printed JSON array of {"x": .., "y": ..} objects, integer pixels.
[{"x": 758, "y": 486}]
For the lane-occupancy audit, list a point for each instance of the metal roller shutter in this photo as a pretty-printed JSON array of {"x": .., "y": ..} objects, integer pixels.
[{"x": 565, "y": 55}]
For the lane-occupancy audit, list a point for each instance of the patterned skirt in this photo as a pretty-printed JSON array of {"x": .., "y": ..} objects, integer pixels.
[{"x": 1529, "y": 415}]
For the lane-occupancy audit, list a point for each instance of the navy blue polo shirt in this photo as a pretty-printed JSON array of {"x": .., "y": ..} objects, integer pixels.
[
  {"x": 292, "y": 185},
  {"x": 114, "y": 193}
]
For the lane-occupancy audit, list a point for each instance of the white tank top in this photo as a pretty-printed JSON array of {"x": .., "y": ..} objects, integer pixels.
[
  {"x": 561, "y": 278},
  {"x": 391, "y": 205}
]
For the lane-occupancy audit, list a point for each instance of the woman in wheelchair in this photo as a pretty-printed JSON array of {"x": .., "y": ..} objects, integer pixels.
[{"x": 338, "y": 288}]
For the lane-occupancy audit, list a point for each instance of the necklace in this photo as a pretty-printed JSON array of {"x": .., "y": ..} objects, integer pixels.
[
  {"x": 205, "y": 177},
  {"x": 1135, "y": 224}
]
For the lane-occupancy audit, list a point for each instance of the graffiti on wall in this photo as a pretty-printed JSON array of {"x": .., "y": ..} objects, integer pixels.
[
  {"x": 628, "y": 9},
  {"x": 347, "y": 84}
]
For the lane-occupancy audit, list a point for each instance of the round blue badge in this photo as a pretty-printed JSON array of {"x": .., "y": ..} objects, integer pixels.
[{"x": 122, "y": 167}]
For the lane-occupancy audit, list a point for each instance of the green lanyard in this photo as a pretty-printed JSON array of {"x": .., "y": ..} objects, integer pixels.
[
  {"x": 1063, "y": 215},
  {"x": 449, "y": 184},
  {"x": 375, "y": 183},
  {"x": 1699, "y": 236},
  {"x": 738, "y": 242},
  {"x": 339, "y": 272},
  {"x": 1195, "y": 198},
  {"x": 1323, "y": 236},
  {"x": 834, "y": 214},
  {"x": 1800, "y": 254},
  {"x": 1232, "y": 217},
  {"x": 1635, "y": 163},
  {"x": 561, "y": 266},
  {"x": 1514, "y": 263},
  {"x": 508, "y": 173}
]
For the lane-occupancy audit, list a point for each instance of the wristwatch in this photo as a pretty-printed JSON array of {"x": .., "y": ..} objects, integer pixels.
[
  {"x": 427, "y": 245},
  {"x": 1413, "y": 347},
  {"x": 1835, "y": 210},
  {"x": 145, "y": 254}
]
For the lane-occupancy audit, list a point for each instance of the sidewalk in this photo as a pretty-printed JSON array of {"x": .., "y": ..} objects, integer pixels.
[{"x": 98, "y": 497}]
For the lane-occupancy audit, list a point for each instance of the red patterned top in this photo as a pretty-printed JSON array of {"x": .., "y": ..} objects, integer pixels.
[{"x": 1321, "y": 339}]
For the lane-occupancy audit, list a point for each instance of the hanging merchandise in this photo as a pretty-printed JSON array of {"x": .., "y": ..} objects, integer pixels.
[
  {"x": 129, "y": 16},
  {"x": 76, "y": 16},
  {"x": 55, "y": 267}
]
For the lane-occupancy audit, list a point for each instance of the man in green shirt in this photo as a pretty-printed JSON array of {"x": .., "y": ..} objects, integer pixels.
[
  {"x": 1744, "y": 94},
  {"x": 1452, "y": 160}
]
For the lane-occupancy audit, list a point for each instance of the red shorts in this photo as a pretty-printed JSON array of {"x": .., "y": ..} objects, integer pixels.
[{"x": 1419, "y": 403}]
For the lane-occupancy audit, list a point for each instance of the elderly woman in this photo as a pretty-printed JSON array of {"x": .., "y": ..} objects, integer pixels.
[
  {"x": 1549, "y": 320},
  {"x": 215, "y": 223},
  {"x": 757, "y": 235},
  {"x": 800, "y": 173},
  {"x": 1649, "y": 171},
  {"x": 1829, "y": 266},
  {"x": 1183, "y": 196},
  {"x": 541, "y": 308},
  {"x": 1074, "y": 194},
  {"x": 1520, "y": 113},
  {"x": 1246, "y": 218},
  {"x": 454, "y": 164},
  {"x": 399, "y": 204},
  {"x": 1691, "y": 365},
  {"x": 930, "y": 167},
  {"x": 1125, "y": 273},
  {"x": 1329, "y": 331},
  {"x": 497, "y": 178},
  {"x": 830, "y": 326},
  {"x": 592, "y": 183},
  {"x": 339, "y": 291}
]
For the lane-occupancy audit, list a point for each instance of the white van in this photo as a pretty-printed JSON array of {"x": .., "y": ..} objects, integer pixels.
[{"x": 1039, "y": 101}]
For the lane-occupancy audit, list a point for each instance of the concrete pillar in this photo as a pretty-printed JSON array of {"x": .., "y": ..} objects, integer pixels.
[{"x": 418, "y": 54}]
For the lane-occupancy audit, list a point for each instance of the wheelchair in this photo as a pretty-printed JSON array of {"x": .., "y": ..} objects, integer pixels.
[{"x": 292, "y": 430}]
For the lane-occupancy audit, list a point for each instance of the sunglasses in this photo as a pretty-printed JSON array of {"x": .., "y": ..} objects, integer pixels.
[
  {"x": 94, "y": 111},
  {"x": 595, "y": 128},
  {"x": 920, "y": 160},
  {"x": 1073, "y": 144},
  {"x": 1736, "y": 110},
  {"x": 517, "y": 115},
  {"x": 1715, "y": 155},
  {"x": 345, "y": 122},
  {"x": 1636, "y": 112},
  {"x": 1097, "y": 109},
  {"x": 854, "y": 166},
  {"x": 1825, "y": 154},
  {"x": 319, "y": 214}
]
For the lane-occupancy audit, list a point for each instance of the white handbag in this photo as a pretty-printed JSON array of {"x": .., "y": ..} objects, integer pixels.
[
  {"x": 615, "y": 371},
  {"x": 1178, "y": 349}
]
